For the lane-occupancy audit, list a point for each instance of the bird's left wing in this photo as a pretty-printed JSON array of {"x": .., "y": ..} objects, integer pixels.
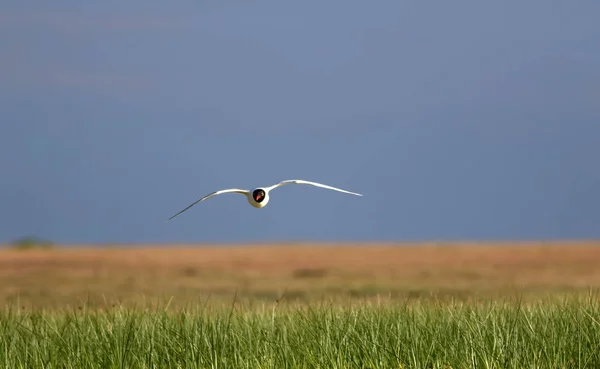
[
  {"x": 236, "y": 190},
  {"x": 300, "y": 181}
]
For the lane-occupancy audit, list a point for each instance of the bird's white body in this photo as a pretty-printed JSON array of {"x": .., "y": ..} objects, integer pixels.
[
  {"x": 261, "y": 204},
  {"x": 259, "y": 197}
]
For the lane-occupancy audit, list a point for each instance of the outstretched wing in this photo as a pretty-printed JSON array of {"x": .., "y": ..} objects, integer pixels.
[
  {"x": 243, "y": 192},
  {"x": 300, "y": 181}
]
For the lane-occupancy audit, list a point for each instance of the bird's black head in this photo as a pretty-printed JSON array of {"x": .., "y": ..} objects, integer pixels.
[{"x": 258, "y": 195}]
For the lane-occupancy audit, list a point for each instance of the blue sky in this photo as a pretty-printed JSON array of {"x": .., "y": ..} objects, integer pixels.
[{"x": 456, "y": 120}]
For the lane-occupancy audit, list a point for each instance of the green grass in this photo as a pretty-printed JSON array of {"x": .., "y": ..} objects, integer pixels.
[{"x": 556, "y": 333}]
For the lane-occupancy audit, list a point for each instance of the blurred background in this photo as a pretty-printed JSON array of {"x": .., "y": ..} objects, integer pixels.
[{"x": 455, "y": 120}]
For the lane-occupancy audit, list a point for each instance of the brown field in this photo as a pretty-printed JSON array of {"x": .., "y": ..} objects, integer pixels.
[{"x": 106, "y": 275}]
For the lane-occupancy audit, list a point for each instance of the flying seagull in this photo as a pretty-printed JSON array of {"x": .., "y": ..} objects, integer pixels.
[{"x": 259, "y": 197}]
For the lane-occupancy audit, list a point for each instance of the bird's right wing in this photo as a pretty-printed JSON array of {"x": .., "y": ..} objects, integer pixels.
[
  {"x": 243, "y": 192},
  {"x": 301, "y": 181}
]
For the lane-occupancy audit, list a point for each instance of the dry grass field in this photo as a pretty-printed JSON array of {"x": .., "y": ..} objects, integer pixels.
[
  {"x": 352, "y": 306},
  {"x": 96, "y": 275}
]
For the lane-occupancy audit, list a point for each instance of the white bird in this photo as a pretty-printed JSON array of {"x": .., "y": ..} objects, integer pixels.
[{"x": 259, "y": 197}]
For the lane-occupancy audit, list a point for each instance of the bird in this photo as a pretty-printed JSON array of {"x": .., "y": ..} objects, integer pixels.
[{"x": 259, "y": 197}]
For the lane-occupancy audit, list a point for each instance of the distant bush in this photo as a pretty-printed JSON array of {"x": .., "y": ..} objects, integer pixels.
[
  {"x": 309, "y": 273},
  {"x": 30, "y": 243}
]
